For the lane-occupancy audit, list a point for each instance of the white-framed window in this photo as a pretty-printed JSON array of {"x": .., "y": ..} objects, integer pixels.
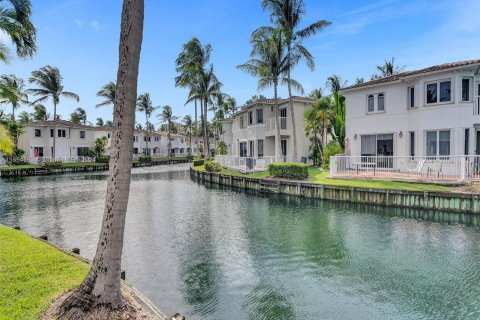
[
  {"x": 135, "y": 138},
  {"x": 108, "y": 135},
  {"x": 411, "y": 97},
  {"x": 61, "y": 133},
  {"x": 259, "y": 116},
  {"x": 438, "y": 92},
  {"x": 376, "y": 102},
  {"x": 82, "y": 134},
  {"x": 467, "y": 86},
  {"x": 381, "y": 102},
  {"x": 157, "y": 139},
  {"x": 370, "y": 103},
  {"x": 38, "y": 133},
  {"x": 250, "y": 118},
  {"x": 437, "y": 143},
  {"x": 260, "y": 148},
  {"x": 242, "y": 122}
]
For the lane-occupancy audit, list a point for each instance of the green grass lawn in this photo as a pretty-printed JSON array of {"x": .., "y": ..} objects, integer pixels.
[
  {"x": 33, "y": 274},
  {"x": 321, "y": 177}
]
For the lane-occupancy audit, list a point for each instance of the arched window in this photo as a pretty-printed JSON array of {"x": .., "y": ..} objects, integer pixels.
[
  {"x": 370, "y": 103},
  {"x": 381, "y": 102}
]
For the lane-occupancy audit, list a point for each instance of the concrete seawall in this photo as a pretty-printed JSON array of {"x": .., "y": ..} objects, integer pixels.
[{"x": 437, "y": 201}]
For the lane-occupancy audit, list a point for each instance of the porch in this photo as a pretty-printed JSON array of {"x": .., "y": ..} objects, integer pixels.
[{"x": 250, "y": 164}]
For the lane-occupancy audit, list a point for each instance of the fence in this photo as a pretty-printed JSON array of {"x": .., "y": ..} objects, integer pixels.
[
  {"x": 440, "y": 168},
  {"x": 250, "y": 164},
  {"x": 39, "y": 160}
]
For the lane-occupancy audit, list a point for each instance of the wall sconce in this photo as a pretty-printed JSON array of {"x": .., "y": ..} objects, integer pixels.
[
  {"x": 355, "y": 136},
  {"x": 400, "y": 134}
]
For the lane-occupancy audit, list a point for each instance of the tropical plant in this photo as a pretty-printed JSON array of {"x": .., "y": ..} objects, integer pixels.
[
  {"x": 100, "y": 146},
  {"x": 255, "y": 98},
  {"x": 269, "y": 63},
  {"x": 15, "y": 130},
  {"x": 101, "y": 288},
  {"x": 12, "y": 91},
  {"x": 330, "y": 150},
  {"x": 221, "y": 148},
  {"x": 335, "y": 83},
  {"x": 388, "y": 69},
  {"x": 99, "y": 122},
  {"x": 316, "y": 94},
  {"x": 359, "y": 80},
  {"x": 109, "y": 123},
  {"x": 40, "y": 113},
  {"x": 145, "y": 105},
  {"x": 287, "y": 15},
  {"x": 15, "y": 24},
  {"x": 188, "y": 128},
  {"x": 79, "y": 116},
  {"x": 167, "y": 117},
  {"x": 6, "y": 141},
  {"x": 318, "y": 124},
  {"x": 108, "y": 92},
  {"x": 24, "y": 117},
  {"x": 49, "y": 83},
  {"x": 339, "y": 120}
]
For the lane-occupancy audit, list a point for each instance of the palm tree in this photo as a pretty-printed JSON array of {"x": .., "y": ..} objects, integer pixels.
[
  {"x": 167, "y": 117},
  {"x": 335, "y": 83},
  {"x": 14, "y": 92},
  {"x": 316, "y": 94},
  {"x": 287, "y": 15},
  {"x": 101, "y": 287},
  {"x": 49, "y": 83},
  {"x": 99, "y": 122},
  {"x": 145, "y": 105},
  {"x": 190, "y": 63},
  {"x": 24, "y": 117},
  {"x": 388, "y": 69},
  {"x": 269, "y": 62},
  {"x": 79, "y": 116},
  {"x": 188, "y": 128},
  {"x": 107, "y": 92},
  {"x": 318, "y": 123},
  {"x": 15, "y": 24},
  {"x": 6, "y": 141},
  {"x": 40, "y": 112}
]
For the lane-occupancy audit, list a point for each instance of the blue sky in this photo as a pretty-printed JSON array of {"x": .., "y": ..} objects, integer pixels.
[{"x": 80, "y": 37}]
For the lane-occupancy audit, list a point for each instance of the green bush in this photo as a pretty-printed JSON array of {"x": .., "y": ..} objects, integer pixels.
[
  {"x": 52, "y": 164},
  {"x": 221, "y": 148},
  {"x": 190, "y": 157},
  {"x": 102, "y": 159},
  {"x": 331, "y": 149},
  {"x": 144, "y": 158},
  {"x": 212, "y": 166},
  {"x": 289, "y": 170},
  {"x": 198, "y": 162}
]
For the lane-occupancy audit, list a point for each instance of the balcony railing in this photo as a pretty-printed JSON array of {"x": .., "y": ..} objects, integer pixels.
[
  {"x": 270, "y": 124},
  {"x": 250, "y": 164}
]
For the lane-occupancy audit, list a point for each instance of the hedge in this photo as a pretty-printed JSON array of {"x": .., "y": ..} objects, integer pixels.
[
  {"x": 212, "y": 166},
  {"x": 198, "y": 162},
  {"x": 289, "y": 170},
  {"x": 102, "y": 159},
  {"x": 144, "y": 158}
]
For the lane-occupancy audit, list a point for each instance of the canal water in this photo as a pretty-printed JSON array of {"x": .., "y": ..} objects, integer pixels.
[{"x": 214, "y": 253}]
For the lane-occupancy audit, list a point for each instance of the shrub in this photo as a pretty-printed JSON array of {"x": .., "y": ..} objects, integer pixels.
[
  {"x": 102, "y": 159},
  {"x": 212, "y": 166},
  {"x": 198, "y": 162},
  {"x": 144, "y": 158},
  {"x": 190, "y": 157},
  {"x": 331, "y": 149},
  {"x": 289, "y": 170},
  {"x": 52, "y": 164},
  {"x": 221, "y": 148}
]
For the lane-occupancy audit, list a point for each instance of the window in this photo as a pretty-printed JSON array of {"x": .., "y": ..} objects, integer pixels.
[
  {"x": 411, "y": 97},
  {"x": 157, "y": 139},
  {"x": 38, "y": 152},
  {"x": 381, "y": 102},
  {"x": 38, "y": 133},
  {"x": 377, "y": 145},
  {"x": 370, "y": 103},
  {"x": 135, "y": 150},
  {"x": 439, "y": 92},
  {"x": 283, "y": 113},
  {"x": 250, "y": 118},
  {"x": 182, "y": 150},
  {"x": 82, "y": 151},
  {"x": 242, "y": 122},
  {"x": 108, "y": 135},
  {"x": 412, "y": 144},
  {"x": 438, "y": 143},
  {"x": 243, "y": 149},
  {"x": 82, "y": 134},
  {"x": 251, "y": 148},
  {"x": 135, "y": 138},
  {"x": 259, "y": 115},
  {"x": 62, "y": 133},
  {"x": 172, "y": 139},
  {"x": 260, "y": 148},
  {"x": 51, "y": 133},
  {"x": 466, "y": 89},
  {"x": 467, "y": 141}
]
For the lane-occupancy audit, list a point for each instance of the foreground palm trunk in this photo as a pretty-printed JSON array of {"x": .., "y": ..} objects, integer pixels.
[
  {"x": 101, "y": 287},
  {"x": 278, "y": 147},
  {"x": 292, "y": 116},
  {"x": 206, "y": 144}
]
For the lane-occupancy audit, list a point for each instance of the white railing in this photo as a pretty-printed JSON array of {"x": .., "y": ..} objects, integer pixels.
[
  {"x": 271, "y": 126},
  {"x": 250, "y": 164},
  {"x": 40, "y": 160},
  {"x": 392, "y": 167}
]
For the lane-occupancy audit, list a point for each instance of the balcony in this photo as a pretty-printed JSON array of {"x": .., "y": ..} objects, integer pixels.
[{"x": 270, "y": 126}]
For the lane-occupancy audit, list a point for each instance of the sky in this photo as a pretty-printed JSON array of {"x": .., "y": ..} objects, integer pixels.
[{"x": 81, "y": 37}]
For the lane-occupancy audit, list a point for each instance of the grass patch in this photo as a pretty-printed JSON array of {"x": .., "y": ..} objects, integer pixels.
[
  {"x": 33, "y": 274},
  {"x": 256, "y": 175},
  {"x": 23, "y": 166}
]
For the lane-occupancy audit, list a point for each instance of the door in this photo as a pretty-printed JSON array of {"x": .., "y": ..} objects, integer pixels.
[
  {"x": 243, "y": 149},
  {"x": 477, "y": 98},
  {"x": 283, "y": 143},
  {"x": 283, "y": 119},
  {"x": 251, "y": 148}
]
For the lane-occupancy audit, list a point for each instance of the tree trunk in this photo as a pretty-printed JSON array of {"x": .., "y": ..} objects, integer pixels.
[
  {"x": 54, "y": 150},
  {"x": 278, "y": 148},
  {"x": 169, "y": 144},
  {"x": 292, "y": 116},
  {"x": 101, "y": 287},
  {"x": 206, "y": 142},
  {"x": 196, "y": 130}
]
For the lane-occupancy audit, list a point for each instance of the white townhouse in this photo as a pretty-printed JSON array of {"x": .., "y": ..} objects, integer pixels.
[
  {"x": 251, "y": 131},
  {"x": 72, "y": 139},
  {"x": 432, "y": 112}
]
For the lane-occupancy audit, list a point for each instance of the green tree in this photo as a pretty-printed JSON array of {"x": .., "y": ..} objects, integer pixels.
[
  {"x": 109, "y": 123},
  {"x": 100, "y": 146},
  {"x": 49, "y": 83},
  {"x": 288, "y": 15},
  {"x": 6, "y": 141},
  {"x": 168, "y": 118},
  {"x": 99, "y": 122},
  {"x": 188, "y": 129},
  {"x": 318, "y": 124},
  {"x": 13, "y": 93},
  {"x": 108, "y": 93},
  {"x": 145, "y": 105},
  {"x": 316, "y": 94},
  {"x": 255, "y": 98},
  {"x": 15, "y": 130},
  {"x": 101, "y": 289},
  {"x": 24, "y": 117},
  {"x": 16, "y": 25},
  {"x": 79, "y": 116},
  {"x": 388, "y": 69},
  {"x": 339, "y": 120},
  {"x": 40, "y": 113},
  {"x": 335, "y": 83}
]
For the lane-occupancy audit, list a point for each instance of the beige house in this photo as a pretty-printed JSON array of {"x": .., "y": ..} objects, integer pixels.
[{"x": 250, "y": 133}]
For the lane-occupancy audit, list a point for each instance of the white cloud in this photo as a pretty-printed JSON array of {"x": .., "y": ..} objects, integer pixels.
[
  {"x": 78, "y": 22},
  {"x": 94, "y": 24}
]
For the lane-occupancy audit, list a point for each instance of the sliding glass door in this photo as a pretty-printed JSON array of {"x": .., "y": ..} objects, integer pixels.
[{"x": 380, "y": 146}]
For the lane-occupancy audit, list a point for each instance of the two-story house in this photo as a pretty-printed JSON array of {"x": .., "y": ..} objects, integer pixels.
[
  {"x": 251, "y": 131},
  {"x": 432, "y": 112}
]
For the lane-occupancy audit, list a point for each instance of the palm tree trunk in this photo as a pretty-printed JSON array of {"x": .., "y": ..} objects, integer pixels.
[
  {"x": 206, "y": 144},
  {"x": 292, "y": 116},
  {"x": 148, "y": 135},
  {"x": 54, "y": 150},
  {"x": 196, "y": 130},
  {"x": 169, "y": 144},
  {"x": 278, "y": 144},
  {"x": 102, "y": 284}
]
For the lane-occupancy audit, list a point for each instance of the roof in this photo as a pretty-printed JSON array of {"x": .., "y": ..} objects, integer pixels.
[
  {"x": 406, "y": 74},
  {"x": 58, "y": 123},
  {"x": 272, "y": 102}
]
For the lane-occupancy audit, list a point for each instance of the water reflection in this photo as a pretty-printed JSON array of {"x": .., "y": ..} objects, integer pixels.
[{"x": 218, "y": 253}]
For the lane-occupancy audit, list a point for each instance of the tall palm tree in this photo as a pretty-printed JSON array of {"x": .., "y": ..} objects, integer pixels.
[
  {"x": 188, "y": 128},
  {"x": 79, "y": 116},
  {"x": 16, "y": 25},
  {"x": 388, "y": 69},
  {"x": 107, "y": 92},
  {"x": 99, "y": 122},
  {"x": 335, "y": 83},
  {"x": 167, "y": 117},
  {"x": 145, "y": 105},
  {"x": 190, "y": 63},
  {"x": 101, "y": 287},
  {"x": 40, "y": 112},
  {"x": 24, "y": 117},
  {"x": 318, "y": 123},
  {"x": 269, "y": 63},
  {"x": 14, "y": 92},
  {"x": 49, "y": 83},
  {"x": 6, "y": 141},
  {"x": 287, "y": 15}
]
